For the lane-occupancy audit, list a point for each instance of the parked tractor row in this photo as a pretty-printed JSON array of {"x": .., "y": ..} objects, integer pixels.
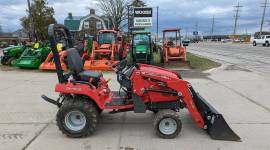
[
  {"x": 27, "y": 56},
  {"x": 102, "y": 51}
]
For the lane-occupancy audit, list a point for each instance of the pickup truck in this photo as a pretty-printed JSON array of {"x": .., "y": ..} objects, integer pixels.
[{"x": 264, "y": 40}]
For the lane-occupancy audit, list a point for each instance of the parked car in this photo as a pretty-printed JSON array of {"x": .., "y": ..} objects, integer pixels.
[
  {"x": 226, "y": 40},
  {"x": 264, "y": 40},
  {"x": 185, "y": 42}
]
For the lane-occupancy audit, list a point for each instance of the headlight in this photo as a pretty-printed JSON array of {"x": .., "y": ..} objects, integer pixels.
[{"x": 5, "y": 52}]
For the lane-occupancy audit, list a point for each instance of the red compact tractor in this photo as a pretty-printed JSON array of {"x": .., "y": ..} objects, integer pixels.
[
  {"x": 172, "y": 46},
  {"x": 85, "y": 94},
  {"x": 106, "y": 51}
]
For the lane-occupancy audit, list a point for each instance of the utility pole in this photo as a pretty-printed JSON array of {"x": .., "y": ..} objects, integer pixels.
[
  {"x": 32, "y": 30},
  {"x": 196, "y": 26},
  {"x": 1, "y": 30},
  {"x": 263, "y": 15},
  {"x": 157, "y": 24},
  {"x": 128, "y": 20},
  {"x": 213, "y": 26},
  {"x": 186, "y": 32},
  {"x": 237, "y": 9},
  {"x": 196, "y": 30}
]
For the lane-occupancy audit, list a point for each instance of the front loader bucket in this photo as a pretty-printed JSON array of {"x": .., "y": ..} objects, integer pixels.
[
  {"x": 215, "y": 124},
  {"x": 102, "y": 65},
  {"x": 51, "y": 66}
]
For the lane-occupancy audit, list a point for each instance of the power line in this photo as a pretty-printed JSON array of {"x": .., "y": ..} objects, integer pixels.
[
  {"x": 263, "y": 15},
  {"x": 237, "y": 9}
]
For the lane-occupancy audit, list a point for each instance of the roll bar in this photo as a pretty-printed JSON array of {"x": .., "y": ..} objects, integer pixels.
[{"x": 52, "y": 29}]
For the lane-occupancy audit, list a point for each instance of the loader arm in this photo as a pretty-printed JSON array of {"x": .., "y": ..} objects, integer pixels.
[
  {"x": 205, "y": 115},
  {"x": 180, "y": 86}
]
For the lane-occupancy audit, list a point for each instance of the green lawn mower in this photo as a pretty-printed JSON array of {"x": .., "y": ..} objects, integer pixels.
[
  {"x": 33, "y": 57},
  {"x": 11, "y": 54},
  {"x": 141, "y": 47}
]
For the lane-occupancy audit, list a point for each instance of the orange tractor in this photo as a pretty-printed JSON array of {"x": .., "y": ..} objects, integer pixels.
[
  {"x": 83, "y": 50},
  {"x": 172, "y": 46},
  {"x": 48, "y": 64},
  {"x": 108, "y": 49}
]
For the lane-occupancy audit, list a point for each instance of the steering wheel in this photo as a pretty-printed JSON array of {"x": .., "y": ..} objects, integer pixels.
[
  {"x": 170, "y": 43},
  {"x": 120, "y": 65}
]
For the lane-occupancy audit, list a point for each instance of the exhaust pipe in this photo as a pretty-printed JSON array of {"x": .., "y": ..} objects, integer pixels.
[{"x": 215, "y": 124}]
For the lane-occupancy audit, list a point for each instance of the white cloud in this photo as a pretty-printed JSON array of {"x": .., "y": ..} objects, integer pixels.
[{"x": 182, "y": 13}]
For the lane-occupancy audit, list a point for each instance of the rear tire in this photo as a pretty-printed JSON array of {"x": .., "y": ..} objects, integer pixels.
[
  {"x": 77, "y": 118},
  {"x": 254, "y": 43},
  {"x": 11, "y": 61},
  {"x": 267, "y": 44},
  {"x": 167, "y": 124}
]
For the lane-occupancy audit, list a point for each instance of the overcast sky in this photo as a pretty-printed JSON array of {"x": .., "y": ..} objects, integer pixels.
[{"x": 181, "y": 13}]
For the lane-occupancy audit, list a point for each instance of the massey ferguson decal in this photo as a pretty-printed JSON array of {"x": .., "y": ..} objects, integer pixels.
[
  {"x": 73, "y": 89},
  {"x": 155, "y": 75}
]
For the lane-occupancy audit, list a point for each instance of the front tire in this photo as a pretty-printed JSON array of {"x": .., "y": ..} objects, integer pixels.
[
  {"x": 167, "y": 124},
  {"x": 77, "y": 118},
  {"x": 3, "y": 61}
]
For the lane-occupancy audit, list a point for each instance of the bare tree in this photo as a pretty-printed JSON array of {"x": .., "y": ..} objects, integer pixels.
[
  {"x": 40, "y": 18},
  {"x": 116, "y": 10}
]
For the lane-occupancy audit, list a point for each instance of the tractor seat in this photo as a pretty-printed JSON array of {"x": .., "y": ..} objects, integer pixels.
[
  {"x": 86, "y": 75},
  {"x": 75, "y": 64}
]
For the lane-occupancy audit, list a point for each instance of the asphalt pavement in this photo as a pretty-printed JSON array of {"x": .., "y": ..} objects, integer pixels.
[{"x": 254, "y": 58}]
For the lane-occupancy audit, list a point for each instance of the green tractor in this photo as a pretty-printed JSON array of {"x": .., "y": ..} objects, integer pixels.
[
  {"x": 3, "y": 44},
  {"x": 141, "y": 48},
  {"x": 11, "y": 54},
  {"x": 33, "y": 57}
]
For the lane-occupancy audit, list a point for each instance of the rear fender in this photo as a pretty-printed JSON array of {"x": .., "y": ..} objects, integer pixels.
[{"x": 82, "y": 89}]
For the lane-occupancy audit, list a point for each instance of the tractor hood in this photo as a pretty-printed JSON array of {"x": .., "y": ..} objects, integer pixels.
[
  {"x": 12, "y": 48},
  {"x": 141, "y": 48},
  {"x": 105, "y": 46},
  {"x": 158, "y": 71}
]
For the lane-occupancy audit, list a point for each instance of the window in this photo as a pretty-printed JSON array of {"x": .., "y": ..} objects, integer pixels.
[
  {"x": 86, "y": 25},
  {"x": 141, "y": 39},
  {"x": 106, "y": 38}
]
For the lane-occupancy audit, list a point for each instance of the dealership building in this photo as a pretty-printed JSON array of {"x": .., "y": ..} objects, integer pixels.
[{"x": 86, "y": 25}]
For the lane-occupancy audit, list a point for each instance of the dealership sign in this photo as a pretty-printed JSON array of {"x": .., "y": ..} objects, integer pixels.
[
  {"x": 143, "y": 17},
  {"x": 142, "y": 22}
]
